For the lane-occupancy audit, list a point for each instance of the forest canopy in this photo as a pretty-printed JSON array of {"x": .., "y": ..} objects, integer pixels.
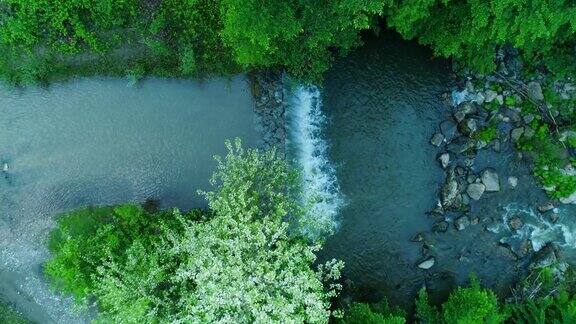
[{"x": 46, "y": 39}]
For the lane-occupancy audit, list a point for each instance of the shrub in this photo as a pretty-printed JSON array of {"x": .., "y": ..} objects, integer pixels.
[{"x": 380, "y": 313}]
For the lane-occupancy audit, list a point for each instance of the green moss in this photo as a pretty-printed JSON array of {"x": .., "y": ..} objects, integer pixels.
[{"x": 487, "y": 134}]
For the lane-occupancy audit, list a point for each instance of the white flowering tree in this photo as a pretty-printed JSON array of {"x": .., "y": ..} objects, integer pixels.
[{"x": 241, "y": 265}]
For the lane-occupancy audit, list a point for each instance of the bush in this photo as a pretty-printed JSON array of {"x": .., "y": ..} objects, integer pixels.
[
  {"x": 9, "y": 316},
  {"x": 380, "y": 313},
  {"x": 464, "y": 305}
]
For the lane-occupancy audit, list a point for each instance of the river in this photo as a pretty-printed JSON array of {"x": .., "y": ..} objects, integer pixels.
[{"x": 100, "y": 142}]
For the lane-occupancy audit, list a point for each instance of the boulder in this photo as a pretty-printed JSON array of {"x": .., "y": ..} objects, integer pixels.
[
  {"x": 460, "y": 145},
  {"x": 427, "y": 263},
  {"x": 516, "y": 133},
  {"x": 440, "y": 226},
  {"x": 475, "y": 190},
  {"x": 529, "y": 132},
  {"x": 490, "y": 95},
  {"x": 512, "y": 182},
  {"x": 546, "y": 257},
  {"x": 535, "y": 91},
  {"x": 437, "y": 139},
  {"x": 449, "y": 129},
  {"x": 500, "y": 99},
  {"x": 546, "y": 207},
  {"x": 464, "y": 110},
  {"x": 444, "y": 160},
  {"x": 515, "y": 223},
  {"x": 490, "y": 180},
  {"x": 462, "y": 222},
  {"x": 419, "y": 237},
  {"x": 528, "y": 118},
  {"x": 468, "y": 126},
  {"x": 450, "y": 191}
]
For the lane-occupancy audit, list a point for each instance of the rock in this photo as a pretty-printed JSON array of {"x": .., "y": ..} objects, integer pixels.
[
  {"x": 490, "y": 180},
  {"x": 529, "y": 132},
  {"x": 512, "y": 182},
  {"x": 419, "y": 237},
  {"x": 515, "y": 223},
  {"x": 474, "y": 220},
  {"x": 469, "y": 162},
  {"x": 460, "y": 171},
  {"x": 479, "y": 98},
  {"x": 464, "y": 109},
  {"x": 516, "y": 133},
  {"x": 497, "y": 145},
  {"x": 480, "y": 144},
  {"x": 505, "y": 252},
  {"x": 440, "y": 226},
  {"x": 546, "y": 257},
  {"x": 437, "y": 139},
  {"x": 500, "y": 99},
  {"x": 535, "y": 91},
  {"x": 444, "y": 160},
  {"x": 450, "y": 191},
  {"x": 461, "y": 222},
  {"x": 546, "y": 207},
  {"x": 5, "y": 167},
  {"x": 470, "y": 178},
  {"x": 460, "y": 145},
  {"x": 427, "y": 263},
  {"x": 528, "y": 118},
  {"x": 468, "y": 126},
  {"x": 525, "y": 248},
  {"x": 490, "y": 95},
  {"x": 569, "y": 200},
  {"x": 475, "y": 190},
  {"x": 449, "y": 129},
  {"x": 554, "y": 217}
]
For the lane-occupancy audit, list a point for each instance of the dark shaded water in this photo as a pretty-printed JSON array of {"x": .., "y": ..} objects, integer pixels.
[
  {"x": 383, "y": 103},
  {"x": 102, "y": 142}
]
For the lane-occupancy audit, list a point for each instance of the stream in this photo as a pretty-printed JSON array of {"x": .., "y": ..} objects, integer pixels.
[{"x": 369, "y": 172}]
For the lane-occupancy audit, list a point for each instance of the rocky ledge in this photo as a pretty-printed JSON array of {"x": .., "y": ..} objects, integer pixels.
[{"x": 268, "y": 92}]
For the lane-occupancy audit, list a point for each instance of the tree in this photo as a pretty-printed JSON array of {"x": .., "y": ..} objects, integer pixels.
[{"x": 241, "y": 262}]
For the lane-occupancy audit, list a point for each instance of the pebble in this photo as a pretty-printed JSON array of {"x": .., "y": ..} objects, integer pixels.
[
  {"x": 513, "y": 182},
  {"x": 427, "y": 263}
]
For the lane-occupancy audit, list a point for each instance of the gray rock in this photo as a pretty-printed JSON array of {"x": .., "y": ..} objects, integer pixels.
[
  {"x": 475, "y": 190},
  {"x": 490, "y": 180},
  {"x": 470, "y": 178},
  {"x": 528, "y": 118},
  {"x": 469, "y": 162},
  {"x": 546, "y": 207},
  {"x": 512, "y": 182},
  {"x": 490, "y": 95},
  {"x": 503, "y": 251},
  {"x": 468, "y": 126},
  {"x": 515, "y": 223},
  {"x": 440, "y": 226},
  {"x": 459, "y": 116},
  {"x": 525, "y": 248},
  {"x": 437, "y": 139},
  {"x": 529, "y": 132},
  {"x": 449, "y": 129},
  {"x": 450, "y": 190},
  {"x": 546, "y": 257},
  {"x": 419, "y": 237},
  {"x": 554, "y": 217},
  {"x": 464, "y": 109},
  {"x": 535, "y": 91},
  {"x": 500, "y": 99},
  {"x": 427, "y": 263},
  {"x": 516, "y": 133},
  {"x": 474, "y": 220},
  {"x": 462, "y": 222},
  {"x": 497, "y": 145},
  {"x": 460, "y": 145},
  {"x": 444, "y": 160}
]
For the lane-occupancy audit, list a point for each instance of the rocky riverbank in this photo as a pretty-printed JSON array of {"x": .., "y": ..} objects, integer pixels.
[
  {"x": 268, "y": 92},
  {"x": 503, "y": 119}
]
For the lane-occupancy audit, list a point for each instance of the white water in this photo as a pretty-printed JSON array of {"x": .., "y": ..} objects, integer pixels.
[
  {"x": 308, "y": 149},
  {"x": 538, "y": 228}
]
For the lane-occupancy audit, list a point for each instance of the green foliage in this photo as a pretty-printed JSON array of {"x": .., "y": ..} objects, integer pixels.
[
  {"x": 300, "y": 35},
  {"x": 464, "y": 306},
  {"x": 487, "y": 134},
  {"x": 472, "y": 30},
  {"x": 238, "y": 263},
  {"x": 559, "y": 309},
  {"x": 9, "y": 316},
  {"x": 380, "y": 313}
]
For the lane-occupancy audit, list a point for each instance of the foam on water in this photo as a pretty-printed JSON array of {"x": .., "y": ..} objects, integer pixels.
[
  {"x": 539, "y": 229},
  {"x": 308, "y": 149}
]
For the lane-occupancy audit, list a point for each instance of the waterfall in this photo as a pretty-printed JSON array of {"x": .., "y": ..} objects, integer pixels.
[{"x": 306, "y": 147}]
